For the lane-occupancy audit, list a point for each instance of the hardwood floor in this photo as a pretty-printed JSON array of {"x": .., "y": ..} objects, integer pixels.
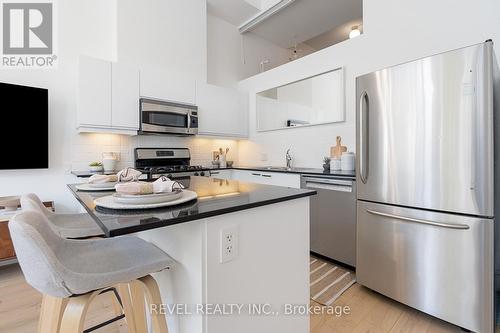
[
  {"x": 369, "y": 311},
  {"x": 20, "y": 306},
  {"x": 374, "y": 313}
]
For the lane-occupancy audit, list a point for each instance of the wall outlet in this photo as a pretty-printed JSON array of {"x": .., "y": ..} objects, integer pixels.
[{"x": 228, "y": 244}]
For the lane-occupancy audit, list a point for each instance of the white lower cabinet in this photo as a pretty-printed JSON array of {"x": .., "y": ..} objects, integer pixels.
[
  {"x": 267, "y": 178},
  {"x": 222, "y": 174}
]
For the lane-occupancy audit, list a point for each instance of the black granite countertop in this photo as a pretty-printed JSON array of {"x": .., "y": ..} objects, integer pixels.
[
  {"x": 303, "y": 171},
  {"x": 215, "y": 197}
]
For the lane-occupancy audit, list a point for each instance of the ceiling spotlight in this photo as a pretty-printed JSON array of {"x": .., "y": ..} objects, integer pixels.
[{"x": 354, "y": 32}]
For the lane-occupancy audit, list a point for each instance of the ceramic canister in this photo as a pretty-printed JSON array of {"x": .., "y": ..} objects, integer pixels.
[
  {"x": 109, "y": 161},
  {"x": 347, "y": 161}
]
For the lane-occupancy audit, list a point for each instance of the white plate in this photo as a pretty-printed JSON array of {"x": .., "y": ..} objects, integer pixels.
[
  {"x": 109, "y": 202},
  {"x": 103, "y": 185},
  {"x": 144, "y": 199},
  {"x": 86, "y": 187}
]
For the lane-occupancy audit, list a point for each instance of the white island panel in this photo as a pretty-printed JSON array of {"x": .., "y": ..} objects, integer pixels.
[{"x": 272, "y": 267}]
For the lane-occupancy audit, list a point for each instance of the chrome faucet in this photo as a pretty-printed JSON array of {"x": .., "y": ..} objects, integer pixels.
[{"x": 288, "y": 158}]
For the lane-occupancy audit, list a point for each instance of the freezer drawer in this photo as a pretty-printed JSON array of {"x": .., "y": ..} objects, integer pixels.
[
  {"x": 333, "y": 218},
  {"x": 441, "y": 264}
]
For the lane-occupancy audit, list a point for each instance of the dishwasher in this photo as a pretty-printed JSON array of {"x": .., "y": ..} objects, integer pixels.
[{"x": 333, "y": 217}]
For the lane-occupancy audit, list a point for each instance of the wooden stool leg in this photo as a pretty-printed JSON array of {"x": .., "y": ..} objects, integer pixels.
[
  {"x": 51, "y": 314},
  {"x": 128, "y": 309},
  {"x": 139, "y": 305},
  {"x": 75, "y": 312},
  {"x": 152, "y": 292}
]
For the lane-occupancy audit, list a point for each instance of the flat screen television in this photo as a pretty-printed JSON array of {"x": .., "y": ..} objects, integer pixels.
[{"x": 24, "y": 134}]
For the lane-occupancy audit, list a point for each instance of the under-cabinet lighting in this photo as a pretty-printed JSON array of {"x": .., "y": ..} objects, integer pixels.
[
  {"x": 218, "y": 195},
  {"x": 355, "y": 32}
]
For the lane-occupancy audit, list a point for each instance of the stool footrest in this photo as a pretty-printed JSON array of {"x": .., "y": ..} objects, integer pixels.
[{"x": 105, "y": 323}]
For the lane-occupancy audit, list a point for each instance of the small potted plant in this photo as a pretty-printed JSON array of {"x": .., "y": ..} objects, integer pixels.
[
  {"x": 96, "y": 167},
  {"x": 326, "y": 163}
]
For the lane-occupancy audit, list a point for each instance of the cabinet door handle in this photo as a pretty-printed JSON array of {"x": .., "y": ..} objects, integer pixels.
[
  {"x": 255, "y": 174},
  {"x": 268, "y": 176},
  {"x": 215, "y": 172}
]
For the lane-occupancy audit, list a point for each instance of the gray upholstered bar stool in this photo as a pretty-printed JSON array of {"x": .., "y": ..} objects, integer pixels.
[
  {"x": 67, "y": 225},
  {"x": 72, "y": 226},
  {"x": 70, "y": 273}
]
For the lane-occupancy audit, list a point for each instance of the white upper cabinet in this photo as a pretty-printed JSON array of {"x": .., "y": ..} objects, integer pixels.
[
  {"x": 94, "y": 93},
  {"x": 108, "y": 97},
  {"x": 158, "y": 83},
  {"x": 125, "y": 96},
  {"x": 222, "y": 111}
]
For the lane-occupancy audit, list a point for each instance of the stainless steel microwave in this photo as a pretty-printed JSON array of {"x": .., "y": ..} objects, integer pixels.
[{"x": 162, "y": 117}]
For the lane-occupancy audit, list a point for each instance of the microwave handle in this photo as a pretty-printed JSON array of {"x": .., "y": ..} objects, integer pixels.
[
  {"x": 183, "y": 112},
  {"x": 189, "y": 121}
]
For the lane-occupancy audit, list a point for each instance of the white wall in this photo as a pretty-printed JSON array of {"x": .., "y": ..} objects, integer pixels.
[
  {"x": 166, "y": 33},
  {"x": 394, "y": 32},
  {"x": 233, "y": 57}
]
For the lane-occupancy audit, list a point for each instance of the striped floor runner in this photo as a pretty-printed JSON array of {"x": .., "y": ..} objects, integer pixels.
[{"x": 328, "y": 281}]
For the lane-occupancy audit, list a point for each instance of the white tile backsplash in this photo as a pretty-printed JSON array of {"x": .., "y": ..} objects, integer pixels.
[{"x": 87, "y": 148}]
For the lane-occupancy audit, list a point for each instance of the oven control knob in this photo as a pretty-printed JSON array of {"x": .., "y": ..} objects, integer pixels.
[
  {"x": 196, "y": 174},
  {"x": 202, "y": 173}
]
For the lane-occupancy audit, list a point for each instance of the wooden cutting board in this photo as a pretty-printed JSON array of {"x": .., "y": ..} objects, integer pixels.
[{"x": 337, "y": 150}]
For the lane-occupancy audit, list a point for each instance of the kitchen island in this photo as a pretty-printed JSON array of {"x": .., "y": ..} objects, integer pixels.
[{"x": 207, "y": 292}]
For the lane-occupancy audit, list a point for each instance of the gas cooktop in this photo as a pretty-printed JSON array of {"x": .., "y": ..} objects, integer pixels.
[{"x": 167, "y": 161}]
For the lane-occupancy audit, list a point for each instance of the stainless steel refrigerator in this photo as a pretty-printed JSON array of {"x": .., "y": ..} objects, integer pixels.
[{"x": 426, "y": 183}]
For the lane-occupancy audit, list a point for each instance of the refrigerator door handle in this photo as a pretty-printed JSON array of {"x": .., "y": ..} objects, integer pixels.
[
  {"x": 363, "y": 137},
  {"x": 410, "y": 219}
]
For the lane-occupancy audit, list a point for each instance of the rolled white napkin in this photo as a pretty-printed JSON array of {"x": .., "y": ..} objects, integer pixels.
[
  {"x": 100, "y": 179},
  {"x": 161, "y": 185},
  {"x": 134, "y": 188},
  {"x": 164, "y": 184},
  {"x": 128, "y": 175}
]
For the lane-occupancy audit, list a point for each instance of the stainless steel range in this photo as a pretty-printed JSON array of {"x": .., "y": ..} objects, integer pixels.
[{"x": 171, "y": 162}]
